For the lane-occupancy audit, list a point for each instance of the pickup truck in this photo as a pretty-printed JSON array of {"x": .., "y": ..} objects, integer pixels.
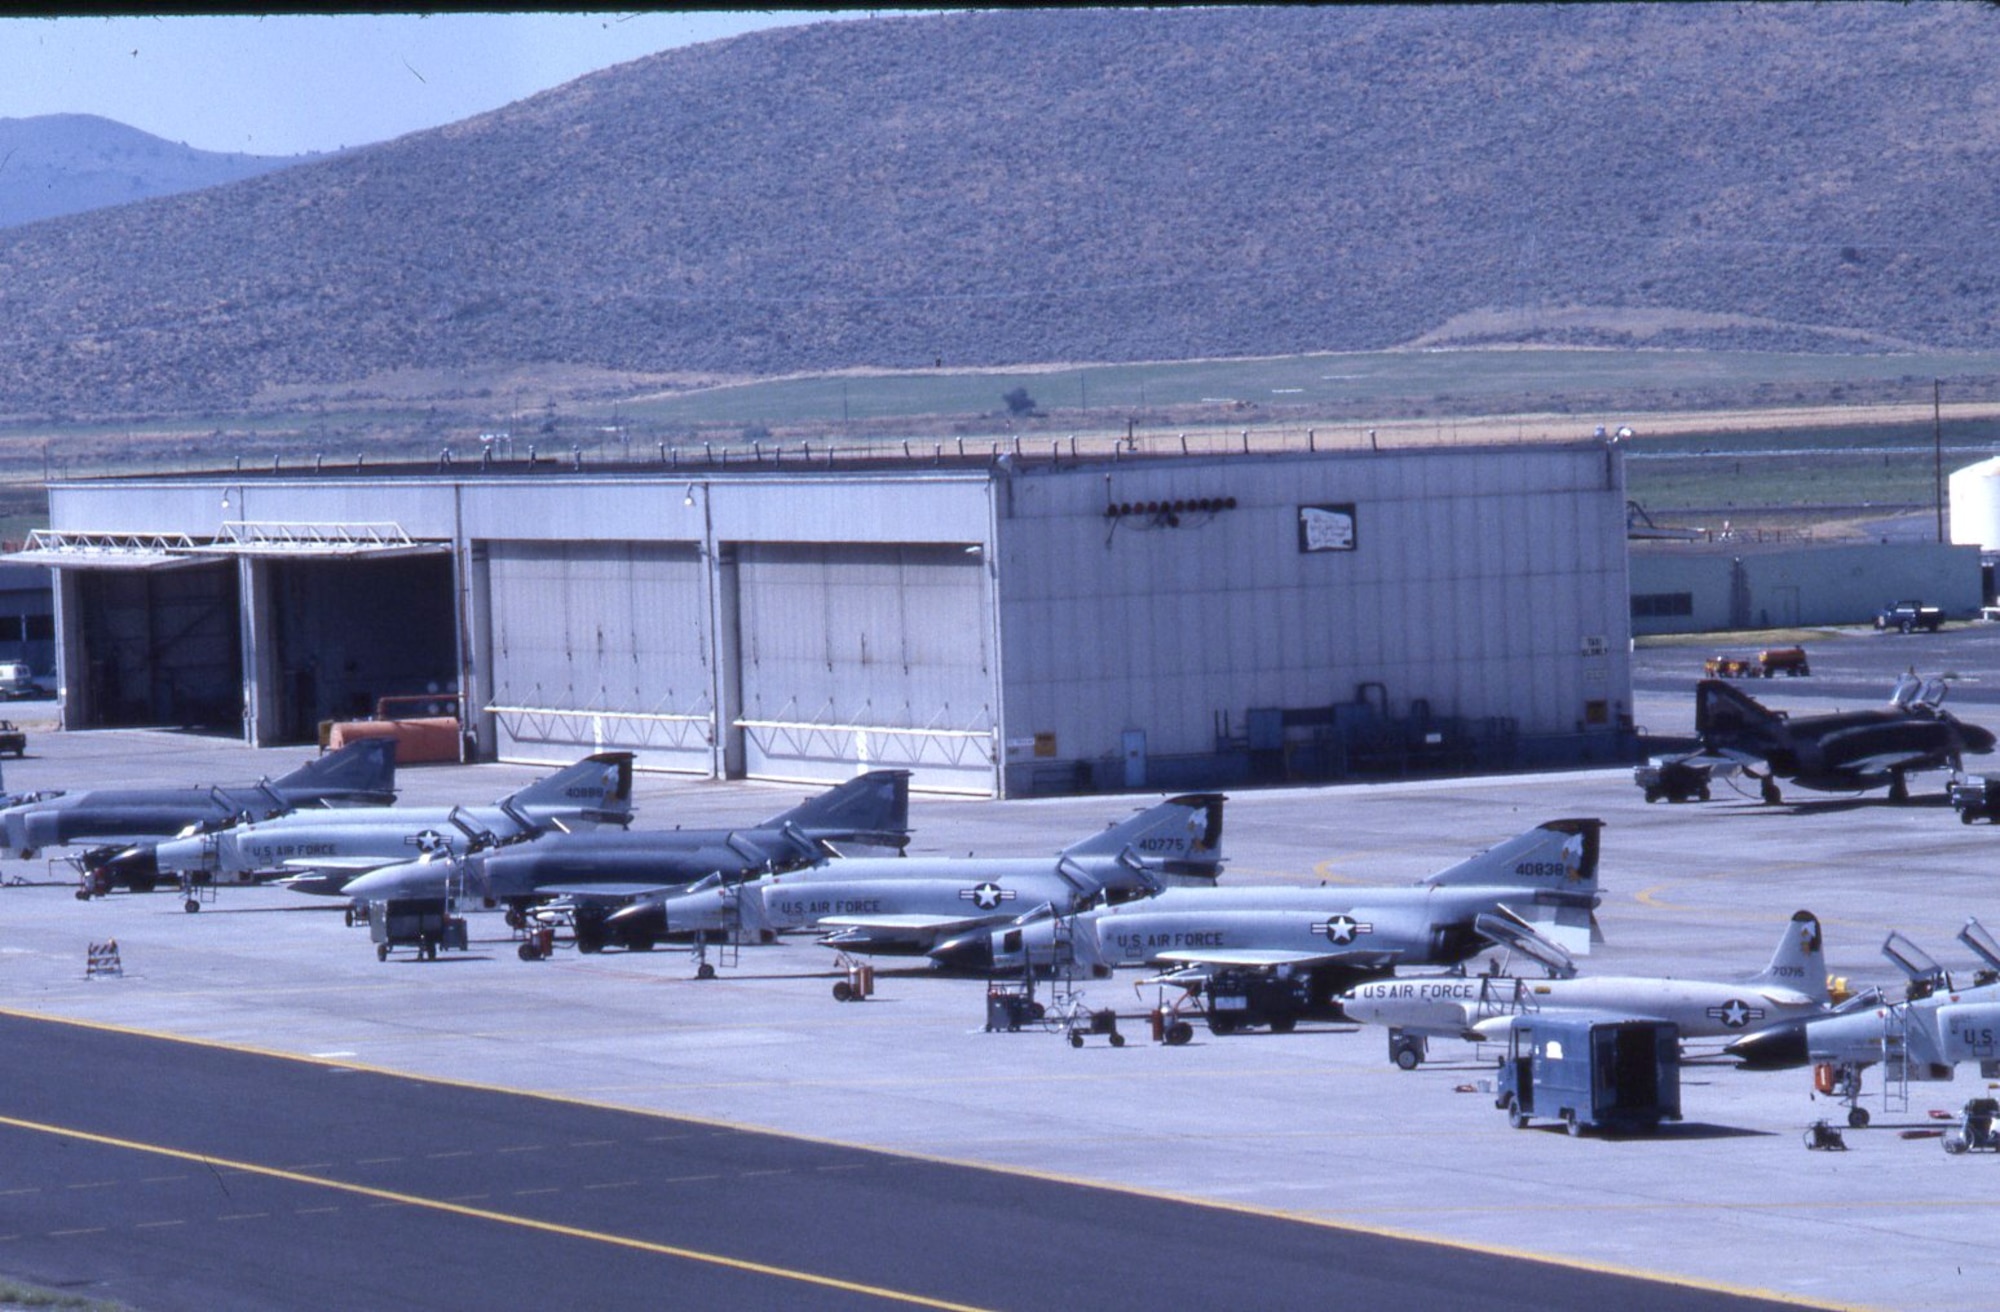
[{"x": 1908, "y": 616}]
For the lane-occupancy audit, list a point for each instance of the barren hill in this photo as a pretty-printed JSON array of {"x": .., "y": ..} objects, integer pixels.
[
  {"x": 57, "y": 164},
  {"x": 1016, "y": 186}
]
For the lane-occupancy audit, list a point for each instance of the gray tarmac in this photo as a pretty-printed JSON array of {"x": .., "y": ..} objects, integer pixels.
[{"x": 1316, "y": 1125}]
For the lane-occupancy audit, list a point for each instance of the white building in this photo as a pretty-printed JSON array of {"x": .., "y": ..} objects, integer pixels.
[{"x": 1005, "y": 624}]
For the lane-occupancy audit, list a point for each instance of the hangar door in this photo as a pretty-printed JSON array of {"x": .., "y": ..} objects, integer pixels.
[
  {"x": 600, "y": 645},
  {"x": 157, "y": 646},
  {"x": 863, "y": 655},
  {"x": 350, "y": 632}
]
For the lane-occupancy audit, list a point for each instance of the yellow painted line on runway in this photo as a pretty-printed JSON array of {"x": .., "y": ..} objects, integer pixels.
[
  {"x": 1027, "y": 1173},
  {"x": 1650, "y": 897},
  {"x": 393, "y": 1197}
]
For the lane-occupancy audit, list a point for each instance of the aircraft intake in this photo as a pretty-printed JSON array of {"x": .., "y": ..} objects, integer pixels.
[
  {"x": 968, "y": 954},
  {"x": 1781, "y": 1047}
]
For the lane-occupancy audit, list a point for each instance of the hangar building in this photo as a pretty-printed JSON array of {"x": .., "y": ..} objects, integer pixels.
[{"x": 1001, "y": 624}]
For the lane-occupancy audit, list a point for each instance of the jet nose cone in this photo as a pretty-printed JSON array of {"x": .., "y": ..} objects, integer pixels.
[
  {"x": 1771, "y": 1050},
  {"x": 133, "y": 863},
  {"x": 969, "y": 954},
  {"x": 1354, "y": 1006},
  {"x": 377, "y": 887}
]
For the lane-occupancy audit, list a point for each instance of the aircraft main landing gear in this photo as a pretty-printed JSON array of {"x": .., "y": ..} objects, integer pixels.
[{"x": 1843, "y": 1082}]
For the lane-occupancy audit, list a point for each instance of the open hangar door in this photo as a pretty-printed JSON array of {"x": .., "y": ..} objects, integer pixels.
[
  {"x": 865, "y": 656},
  {"x": 600, "y": 645},
  {"x": 154, "y": 646},
  {"x": 347, "y": 632}
]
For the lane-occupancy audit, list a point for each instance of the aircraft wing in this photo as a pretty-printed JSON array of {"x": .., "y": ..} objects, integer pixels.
[
  {"x": 912, "y": 927},
  {"x": 1885, "y": 762},
  {"x": 120, "y": 841},
  {"x": 609, "y": 890},
  {"x": 358, "y": 865},
  {"x": 1271, "y": 958},
  {"x": 1721, "y": 764}
]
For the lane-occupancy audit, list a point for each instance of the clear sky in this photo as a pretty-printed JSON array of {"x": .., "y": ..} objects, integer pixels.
[{"x": 288, "y": 84}]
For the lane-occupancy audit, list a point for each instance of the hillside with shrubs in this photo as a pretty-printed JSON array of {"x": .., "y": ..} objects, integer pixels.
[{"x": 1010, "y": 187}]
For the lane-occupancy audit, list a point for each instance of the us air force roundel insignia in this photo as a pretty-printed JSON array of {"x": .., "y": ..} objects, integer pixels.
[
  {"x": 1735, "y": 1013},
  {"x": 1343, "y": 928},
  {"x": 987, "y": 896}
]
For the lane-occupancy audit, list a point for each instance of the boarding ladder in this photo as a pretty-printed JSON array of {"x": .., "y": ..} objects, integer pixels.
[
  {"x": 725, "y": 954},
  {"x": 1895, "y": 1049}
]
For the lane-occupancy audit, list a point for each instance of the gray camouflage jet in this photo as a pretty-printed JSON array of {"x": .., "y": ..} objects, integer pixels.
[
  {"x": 1335, "y": 936},
  {"x": 871, "y": 810},
  {"x": 323, "y": 850},
  {"x": 1921, "y": 1038},
  {"x": 904, "y": 906},
  {"x": 121, "y": 824}
]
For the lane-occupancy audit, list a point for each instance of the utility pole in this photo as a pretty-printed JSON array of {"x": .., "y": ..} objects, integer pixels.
[{"x": 1937, "y": 453}]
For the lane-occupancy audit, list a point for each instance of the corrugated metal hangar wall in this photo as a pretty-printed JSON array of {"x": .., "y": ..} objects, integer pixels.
[
  {"x": 1002, "y": 625},
  {"x": 1313, "y": 616}
]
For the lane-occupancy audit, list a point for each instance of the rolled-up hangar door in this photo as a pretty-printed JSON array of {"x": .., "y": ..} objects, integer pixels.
[
  {"x": 600, "y": 645},
  {"x": 857, "y": 656},
  {"x": 151, "y": 629}
]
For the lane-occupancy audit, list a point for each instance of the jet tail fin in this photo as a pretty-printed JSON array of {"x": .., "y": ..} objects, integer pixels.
[
  {"x": 1558, "y": 855},
  {"x": 1720, "y": 708},
  {"x": 871, "y": 808},
  {"x": 1180, "y": 837},
  {"x": 364, "y": 770},
  {"x": 1800, "y": 961},
  {"x": 597, "y": 788}
]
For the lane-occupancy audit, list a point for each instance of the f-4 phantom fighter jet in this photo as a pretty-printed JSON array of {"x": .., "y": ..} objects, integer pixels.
[
  {"x": 325, "y": 849},
  {"x": 1843, "y": 752},
  {"x": 906, "y": 905},
  {"x": 1923, "y": 1037},
  {"x": 871, "y": 810},
  {"x": 1335, "y": 936},
  {"x": 121, "y": 824}
]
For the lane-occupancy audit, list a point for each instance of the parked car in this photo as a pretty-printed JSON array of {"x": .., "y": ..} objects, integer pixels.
[
  {"x": 17, "y": 680},
  {"x": 1909, "y": 616}
]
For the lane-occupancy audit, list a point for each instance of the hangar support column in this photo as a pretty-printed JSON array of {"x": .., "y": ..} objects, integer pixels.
[
  {"x": 71, "y": 712},
  {"x": 474, "y": 567},
  {"x": 262, "y": 715},
  {"x": 725, "y": 662}
]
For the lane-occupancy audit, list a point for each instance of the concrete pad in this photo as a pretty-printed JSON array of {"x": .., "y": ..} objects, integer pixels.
[{"x": 1316, "y": 1124}]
